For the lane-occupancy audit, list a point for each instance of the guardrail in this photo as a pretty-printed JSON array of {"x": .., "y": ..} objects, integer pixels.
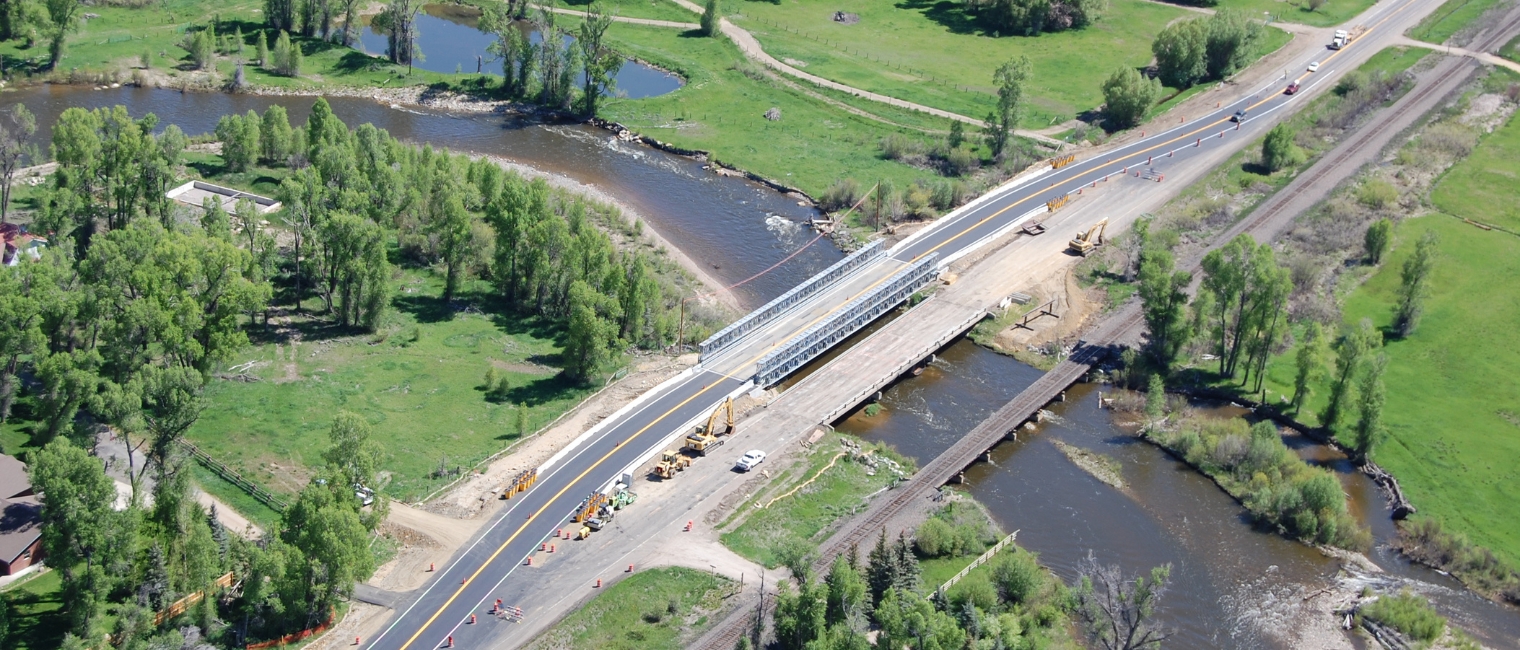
[
  {"x": 810, "y": 287},
  {"x": 231, "y": 476},
  {"x": 848, "y": 320}
]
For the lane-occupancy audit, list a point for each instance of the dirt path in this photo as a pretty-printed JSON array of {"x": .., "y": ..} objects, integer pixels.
[
  {"x": 622, "y": 19},
  {"x": 1485, "y": 57}
]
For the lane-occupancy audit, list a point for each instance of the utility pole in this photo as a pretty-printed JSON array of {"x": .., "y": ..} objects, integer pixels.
[{"x": 877, "y": 225}]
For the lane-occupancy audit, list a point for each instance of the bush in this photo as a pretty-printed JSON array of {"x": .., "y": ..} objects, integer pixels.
[
  {"x": 949, "y": 194},
  {"x": 1377, "y": 194},
  {"x": 960, "y": 161},
  {"x": 934, "y": 538},
  {"x": 977, "y": 590},
  {"x": 1017, "y": 577},
  {"x": 841, "y": 194},
  {"x": 1127, "y": 95},
  {"x": 1411, "y": 615}
]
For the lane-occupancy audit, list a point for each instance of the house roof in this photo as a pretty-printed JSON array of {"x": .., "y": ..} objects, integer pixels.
[
  {"x": 20, "y": 526},
  {"x": 14, "y": 481}
]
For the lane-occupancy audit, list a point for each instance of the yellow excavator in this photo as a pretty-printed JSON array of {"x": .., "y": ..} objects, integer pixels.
[
  {"x": 706, "y": 437},
  {"x": 670, "y": 463},
  {"x": 1089, "y": 241}
]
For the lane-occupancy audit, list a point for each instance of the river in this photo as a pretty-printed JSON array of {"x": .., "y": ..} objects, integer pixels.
[
  {"x": 733, "y": 227},
  {"x": 1234, "y": 585}
]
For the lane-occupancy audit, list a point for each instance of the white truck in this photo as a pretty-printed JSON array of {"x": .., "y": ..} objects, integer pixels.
[{"x": 1341, "y": 38}]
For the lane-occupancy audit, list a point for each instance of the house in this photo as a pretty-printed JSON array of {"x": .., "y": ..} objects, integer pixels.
[
  {"x": 20, "y": 518},
  {"x": 19, "y": 243}
]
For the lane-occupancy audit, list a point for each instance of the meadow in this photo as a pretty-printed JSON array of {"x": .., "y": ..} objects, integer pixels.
[
  {"x": 934, "y": 54},
  {"x": 1449, "y": 19},
  {"x": 653, "y": 609},
  {"x": 795, "y": 523}
]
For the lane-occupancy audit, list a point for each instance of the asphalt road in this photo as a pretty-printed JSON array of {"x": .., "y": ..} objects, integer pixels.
[{"x": 468, "y": 584}]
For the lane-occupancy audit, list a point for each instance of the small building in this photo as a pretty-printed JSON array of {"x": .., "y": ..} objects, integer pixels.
[
  {"x": 195, "y": 193},
  {"x": 18, "y": 244},
  {"x": 20, "y": 518}
]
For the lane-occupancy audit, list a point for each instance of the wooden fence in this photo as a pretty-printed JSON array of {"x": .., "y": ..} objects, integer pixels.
[
  {"x": 231, "y": 476},
  {"x": 182, "y": 605},
  {"x": 980, "y": 560}
]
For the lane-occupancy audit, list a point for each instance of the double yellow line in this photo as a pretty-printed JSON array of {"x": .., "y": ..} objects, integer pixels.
[{"x": 871, "y": 287}]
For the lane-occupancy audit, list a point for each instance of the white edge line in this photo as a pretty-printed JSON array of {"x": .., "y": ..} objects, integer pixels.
[{"x": 611, "y": 420}]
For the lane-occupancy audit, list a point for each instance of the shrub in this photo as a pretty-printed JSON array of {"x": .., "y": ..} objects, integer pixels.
[
  {"x": 1411, "y": 615},
  {"x": 841, "y": 194},
  {"x": 977, "y": 590},
  {"x": 1377, "y": 193},
  {"x": 961, "y": 160},
  {"x": 934, "y": 538},
  {"x": 1017, "y": 577},
  {"x": 948, "y": 194},
  {"x": 1379, "y": 234},
  {"x": 895, "y": 146}
]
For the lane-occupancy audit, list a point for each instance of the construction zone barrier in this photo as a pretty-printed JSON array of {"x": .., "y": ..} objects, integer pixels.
[
  {"x": 294, "y": 637},
  {"x": 1056, "y": 203},
  {"x": 588, "y": 508},
  {"x": 523, "y": 481},
  {"x": 1057, "y": 163}
]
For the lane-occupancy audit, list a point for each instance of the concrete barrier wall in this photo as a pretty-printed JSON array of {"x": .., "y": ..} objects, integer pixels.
[{"x": 809, "y": 288}]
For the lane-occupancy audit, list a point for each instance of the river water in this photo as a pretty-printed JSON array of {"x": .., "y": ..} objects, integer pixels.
[
  {"x": 1233, "y": 584},
  {"x": 734, "y": 227}
]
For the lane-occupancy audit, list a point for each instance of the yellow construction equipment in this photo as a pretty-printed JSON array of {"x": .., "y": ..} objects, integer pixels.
[
  {"x": 670, "y": 463},
  {"x": 706, "y": 437},
  {"x": 1089, "y": 241},
  {"x": 584, "y": 532}
]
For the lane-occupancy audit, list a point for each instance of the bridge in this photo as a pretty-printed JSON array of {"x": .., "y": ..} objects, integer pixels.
[{"x": 775, "y": 340}]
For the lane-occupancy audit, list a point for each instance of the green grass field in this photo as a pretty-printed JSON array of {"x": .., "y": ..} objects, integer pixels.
[
  {"x": 1486, "y": 187},
  {"x": 651, "y": 9},
  {"x": 650, "y": 610},
  {"x": 1449, "y": 19},
  {"x": 1334, "y": 12},
  {"x": 422, "y": 396},
  {"x": 36, "y": 617},
  {"x": 933, "y": 54},
  {"x": 764, "y": 534},
  {"x": 721, "y": 110}
]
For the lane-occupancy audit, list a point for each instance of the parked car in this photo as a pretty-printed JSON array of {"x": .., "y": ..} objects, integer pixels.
[
  {"x": 749, "y": 460},
  {"x": 1292, "y": 88}
]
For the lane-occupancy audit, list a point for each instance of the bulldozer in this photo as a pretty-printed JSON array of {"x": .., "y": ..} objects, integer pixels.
[
  {"x": 670, "y": 463},
  {"x": 1089, "y": 241},
  {"x": 706, "y": 437}
]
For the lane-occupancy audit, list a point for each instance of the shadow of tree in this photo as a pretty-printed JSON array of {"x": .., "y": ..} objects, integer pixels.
[{"x": 952, "y": 15}]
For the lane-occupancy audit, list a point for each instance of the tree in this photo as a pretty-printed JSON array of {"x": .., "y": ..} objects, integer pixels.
[
  {"x": 1414, "y": 281},
  {"x": 1369, "y": 431},
  {"x": 800, "y": 617},
  {"x": 556, "y": 65},
  {"x": 450, "y": 222},
  {"x": 240, "y": 140},
  {"x": 1163, "y": 296},
  {"x": 957, "y": 135},
  {"x": 261, "y": 48},
  {"x": 352, "y": 454},
  {"x": 1376, "y": 241},
  {"x": 1179, "y": 50},
  {"x": 1119, "y": 612},
  {"x": 1232, "y": 40},
  {"x": 601, "y": 62},
  {"x": 590, "y": 337},
  {"x": 1309, "y": 364},
  {"x": 76, "y": 523},
  {"x": 1350, "y": 354},
  {"x": 16, "y": 129},
  {"x": 62, "y": 15},
  {"x": 1127, "y": 95},
  {"x": 1155, "y": 399},
  {"x": 1278, "y": 150},
  {"x": 849, "y": 597},
  {"x": 398, "y": 21},
  {"x": 1009, "y": 78},
  {"x": 711, "y": 18},
  {"x": 520, "y": 421},
  {"x": 201, "y": 44},
  {"x": 507, "y": 48},
  {"x": 349, "y": 10},
  {"x": 280, "y": 14},
  {"x": 909, "y": 620},
  {"x": 331, "y": 542},
  {"x": 5, "y": 619},
  {"x": 275, "y": 135},
  {"x": 27, "y": 295}
]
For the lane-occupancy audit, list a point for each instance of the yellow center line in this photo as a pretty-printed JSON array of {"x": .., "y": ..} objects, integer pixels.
[{"x": 826, "y": 314}]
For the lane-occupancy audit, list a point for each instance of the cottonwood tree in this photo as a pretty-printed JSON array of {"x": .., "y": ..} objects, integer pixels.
[
  {"x": 511, "y": 48},
  {"x": 281, "y": 14},
  {"x": 26, "y": 296},
  {"x": 16, "y": 128},
  {"x": 1351, "y": 354},
  {"x": 1163, "y": 296},
  {"x": 78, "y": 525},
  {"x": 1414, "y": 281},
  {"x": 240, "y": 138},
  {"x": 1010, "y": 78},
  {"x": 1309, "y": 363},
  {"x": 591, "y": 335},
  {"x": 1248, "y": 290},
  {"x": 1233, "y": 36},
  {"x": 1127, "y": 95},
  {"x": 398, "y": 21},
  {"x": 710, "y": 18},
  {"x": 557, "y": 64},
  {"x": 1179, "y": 50},
  {"x": 601, "y": 63},
  {"x": 353, "y": 459},
  {"x": 1119, "y": 613},
  {"x": 63, "y": 19},
  {"x": 1369, "y": 431},
  {"x": 909, "y": 620},
  {"x": 1376, "y": 240}
]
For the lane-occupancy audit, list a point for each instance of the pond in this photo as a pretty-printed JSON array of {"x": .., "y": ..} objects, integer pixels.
[{"x": 450, "y": 40}]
